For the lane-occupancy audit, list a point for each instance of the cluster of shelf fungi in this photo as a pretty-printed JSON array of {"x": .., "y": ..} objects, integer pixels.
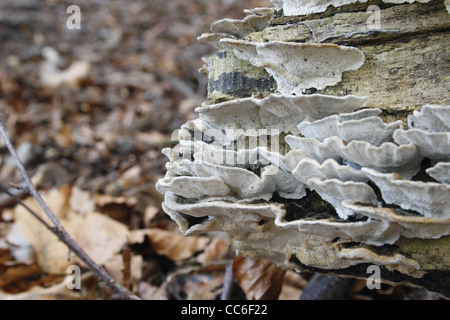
[{"x": 305, "y": 177}]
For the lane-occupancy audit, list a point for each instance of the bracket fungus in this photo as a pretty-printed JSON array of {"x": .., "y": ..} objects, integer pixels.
[
  {"x": 275, "y": 111},
  {"x": 299, "y": 66},
  {"x": 314, "y": 181},
  {"x": 256, "y": 20},
  {"x": 352, "y": 126}
]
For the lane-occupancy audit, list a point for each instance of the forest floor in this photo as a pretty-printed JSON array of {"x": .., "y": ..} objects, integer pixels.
[{"x": 88, "y": 112}]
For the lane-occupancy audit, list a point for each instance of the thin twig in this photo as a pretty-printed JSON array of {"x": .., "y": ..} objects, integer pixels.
[
  {"x": 6, "y": 200},
  {"x": 59, "y": 230},
  {"x": 228, "y": 283},
  {"x": 27, "y": 179},
  {"x": 23, "y": 204}
]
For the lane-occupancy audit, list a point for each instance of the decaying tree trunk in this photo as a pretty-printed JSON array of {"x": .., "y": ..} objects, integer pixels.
[{"x": 406, "y": 66}]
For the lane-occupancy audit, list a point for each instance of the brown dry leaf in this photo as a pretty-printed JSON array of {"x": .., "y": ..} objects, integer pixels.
[
  {"x": 293, "y": 286},
  {"x": 51, "y": 254},
  {"x": 150, "y": 212},
  {"x": 130, "y": 178},
  {"x": 115, "y": 267},
  {"x": 64, "y": 138},
  {"x": 260, "y": 279},
  {"x": 19, "y": 246},
  {"x": 357, "y": 286},
  {"x": 173, "y": 245},
  {"x": 103, "y": 200},
  {"x": 81, "y": 201},
  {"x": 117, "y": 208},
  {"x": 5, "y": 255},
  {"x": 149, "y": 139},
  {"x": 202, "y": 286},
  {"x": 216, "y": 250},
  {"x": 6, "y": 215},
  {"x": 51, "y": 77},
  {"x": 57, "y": 291},
  {"x": 148, "y": 292},
  {"x": 100, "y": 236},
  {"x": 17, "y": 273}
]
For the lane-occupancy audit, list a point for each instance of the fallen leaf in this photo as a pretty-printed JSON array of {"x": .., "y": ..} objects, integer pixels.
[
  {"x": 150, "y": 139},
  {"x": 173, "y": 245},
  {"x": 58, "y": 291},
  {"x": 148, "y": 292},
  {"x": 6, "y": 214},
  {"x": 216, "y": 250},
  {"x": 116, "y": 207},
  {"x": 293, "y": 285},
  {"x": 17, "y": 273},
  {"x": 150, "y": 213},
  {"x": 100, "y": 236},
  {"x": 260, "y": 279},
  {"x": 130, "y": 178},
  {"x": 64, "y": 138},
  {"x": 21, "y": 249},
  {"x": 51, "y": 76},
  {"x": 81, "y": 201},
  {"x": 102, "y": 200},
  {"x": 202, "y": 286},
  {"x": 51, "y": 254},
  {"x": 114, "y": 267},
  {"x": 5, "y": 255}
]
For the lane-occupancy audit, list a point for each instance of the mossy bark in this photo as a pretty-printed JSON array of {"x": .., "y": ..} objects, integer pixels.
[{"x": 432, "y": 254}]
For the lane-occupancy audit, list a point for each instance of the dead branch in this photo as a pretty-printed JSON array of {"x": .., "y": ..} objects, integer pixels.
[{"x": 58, "y": 228}]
